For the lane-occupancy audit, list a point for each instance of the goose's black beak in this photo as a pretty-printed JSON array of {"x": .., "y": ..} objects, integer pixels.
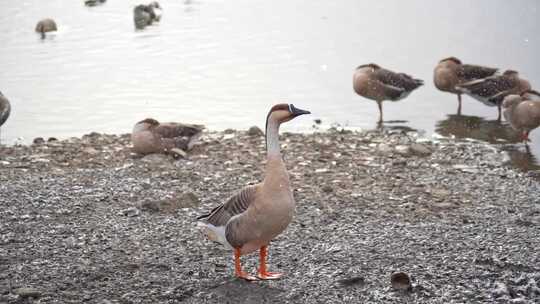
[{"x": 297, "y": 112}]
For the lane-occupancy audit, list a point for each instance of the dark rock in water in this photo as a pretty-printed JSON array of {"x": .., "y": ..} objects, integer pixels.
[
  {"x": 352, "y": 281},
  {"x": 401, "y": 281},
  {"x": 38, "y": 141},
  {"x": 317, "y": 121},
  {"x": 27, "y": 292},
  {"x": 146, "y": 14},
  {"x": 255, "y": 131}
]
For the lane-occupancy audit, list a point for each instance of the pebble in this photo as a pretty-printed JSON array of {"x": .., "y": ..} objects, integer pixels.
[
  {"x": 27, "y": 292},
  {"x": 255, "y": 131}
]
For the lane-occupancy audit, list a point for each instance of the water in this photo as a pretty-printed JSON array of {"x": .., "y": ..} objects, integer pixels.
[{"x": 224, "y": 63}]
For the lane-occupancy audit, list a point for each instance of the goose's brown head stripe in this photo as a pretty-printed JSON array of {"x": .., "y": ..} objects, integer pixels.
[
  {"x": 369, "y": 65},
  {"x": 150, "y": 121},
  {"x": 453, "y": 59}
]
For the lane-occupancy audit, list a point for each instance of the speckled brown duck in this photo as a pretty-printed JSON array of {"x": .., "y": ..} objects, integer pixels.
[
  {"x": 5, "y": 109},
  {"x": 45, "y": 26},
  {"x": 249, "y": 220},
  {"x": 150, "y": 136},
  {"x": 492, "y": 90},
  {"x": 523, "y": 112},
  {"x": 375, "y": 83},
  {"x": 450, "y": 73}
]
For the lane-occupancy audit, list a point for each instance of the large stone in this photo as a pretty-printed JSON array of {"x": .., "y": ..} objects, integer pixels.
[
  {"x": 255, "y": 131},
  {"x": 420, "y": 149}
]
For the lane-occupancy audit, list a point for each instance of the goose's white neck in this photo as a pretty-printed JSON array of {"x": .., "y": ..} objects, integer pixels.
[{"x": 272, "y": 138}]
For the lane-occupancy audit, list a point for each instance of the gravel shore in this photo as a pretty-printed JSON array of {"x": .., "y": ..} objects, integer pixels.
[{"x": 86, "y": 220}]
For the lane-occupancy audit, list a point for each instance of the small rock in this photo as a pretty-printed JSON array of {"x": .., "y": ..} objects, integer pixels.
[
  {"x": 90, "y": 151},
  {"x": 420, "y": 149},
  {"x": 38, "y": 141},
  {"x": 402, "y": 149},
  {"x": 327, "y": 188},
  {"x": 500, "y": 290},
  {"x": 255, "y": 131},
  {"x": 27, "y": 292},
  {"x": 229, "y": 131},
  {"x": 52, "y": 139},
  {"x": 401, "y": 281},
  {"x": 188, "y": 200},
  {"x": 352, "y": 281},
  {"x": 178, "y": 153},
  {"x": 317, "y": 121},
  {"x": 131, "y": 212}
]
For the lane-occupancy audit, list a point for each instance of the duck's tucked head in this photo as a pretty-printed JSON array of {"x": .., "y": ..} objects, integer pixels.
[
  {"x": 511, "y": 100},
  {"x": 284, "y": 112},
  {"x": 451, "y": 59}
]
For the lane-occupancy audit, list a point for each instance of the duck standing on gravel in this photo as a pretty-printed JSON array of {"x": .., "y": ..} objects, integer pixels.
[
  {"x": 150, "y": 136},
  {"x": 375, "y": 83},
  {"x": 46, "y": 25},
  {"x": 5, "y": 109},
  {"x": 492, "y": 90},
  {"x": 253, "y": 217},
  {"x": 450, "y": 72},
  {"x": 523, "y": 112}
]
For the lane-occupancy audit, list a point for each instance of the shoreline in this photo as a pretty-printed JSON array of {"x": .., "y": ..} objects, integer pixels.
[{"x": 87, "y": 219}]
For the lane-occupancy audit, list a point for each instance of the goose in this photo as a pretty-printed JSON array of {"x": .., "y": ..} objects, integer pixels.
[
  {"x": 150, "y": 136},
  {"x": 450, "y": 72},
  {"x": 375, "y": 83},
  {"x": 5, "y": 109},
  {"x": 523, "y": 112},
  {"x": 250, "y": 219},
  {"x": 46, "y": 25},
  {"x": 492, "y": 90}
]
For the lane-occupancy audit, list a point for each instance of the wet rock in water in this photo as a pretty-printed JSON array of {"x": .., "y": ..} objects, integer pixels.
[
  {"x": 38, "y": 141},
  {"x": 317, "y": 121},
  {"x": 94, "y": 2},
  {"x": 255, "y": 131},
  {"x": 27, "y": 292},
  {"x": 400, "y": 281},
  {"x": 360, "y": 281},
  {"x": 420, "y": 149}
]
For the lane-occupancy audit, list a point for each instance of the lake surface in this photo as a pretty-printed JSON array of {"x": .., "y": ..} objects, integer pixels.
[{"x": 224, "y": 63}]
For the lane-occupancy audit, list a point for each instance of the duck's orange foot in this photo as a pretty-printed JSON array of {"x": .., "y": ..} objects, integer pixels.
[
  {"x": 269, "y": 275},
  {"x": 246, "y": 276}
]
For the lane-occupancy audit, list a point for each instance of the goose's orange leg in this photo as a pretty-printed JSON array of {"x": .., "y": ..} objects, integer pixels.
[
  {"x": 263, "y": 273},
  {"x": 238, "y": 272}
]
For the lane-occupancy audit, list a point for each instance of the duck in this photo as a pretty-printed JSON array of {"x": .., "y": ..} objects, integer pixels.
[
  {"x": 46, "y": 25},
  {"x": 492, "y": 90},
  {"x": 254, "y": 216},
  {"x": 523, "y": 112},
  {"x": 450, "y": 72},
  {"x": 375, "y": 83},
  {"x": 5, "y": 109},
  {"x": 150, "y": 136},
  {"x": 146, "y": 14},
  {"x": 94, "y": 2}
]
